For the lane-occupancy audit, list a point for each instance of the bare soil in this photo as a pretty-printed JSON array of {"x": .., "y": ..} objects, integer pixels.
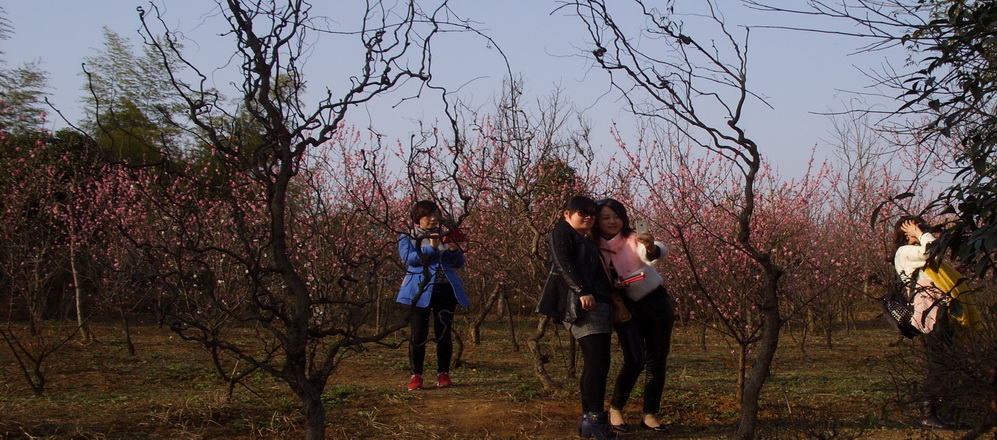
[{"x": 169, "y": 390}]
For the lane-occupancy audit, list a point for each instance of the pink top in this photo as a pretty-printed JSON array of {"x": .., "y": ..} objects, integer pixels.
[{"x": 627, "y": 254}]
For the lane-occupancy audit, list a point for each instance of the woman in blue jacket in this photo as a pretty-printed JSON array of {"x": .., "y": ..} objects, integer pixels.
[{"x": 433, "y": 288}]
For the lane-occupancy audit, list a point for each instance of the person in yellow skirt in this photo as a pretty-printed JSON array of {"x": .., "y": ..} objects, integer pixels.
[{"x": 943, "y": 308}]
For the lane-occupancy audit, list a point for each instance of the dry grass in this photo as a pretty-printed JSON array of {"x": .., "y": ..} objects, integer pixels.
[{"x": 168, "y": 390}]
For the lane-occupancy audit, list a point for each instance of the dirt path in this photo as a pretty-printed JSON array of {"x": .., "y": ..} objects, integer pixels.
[
  {"x": 495, "y": 398},
  {"x": 169, "y": 390}
]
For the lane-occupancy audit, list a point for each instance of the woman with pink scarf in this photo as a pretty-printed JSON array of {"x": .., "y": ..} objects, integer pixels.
[{"x": 645, "y": 339}]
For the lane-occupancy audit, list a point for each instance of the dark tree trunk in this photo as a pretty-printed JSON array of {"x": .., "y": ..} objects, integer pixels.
[
  {"x": 480, "y": 319},
  {"x": 314, "y": 414},
  {"x": 512, "y": 324},
  {"x": 126, "y": 330},
  {"x": 458, "y": 354},
  {"x": 771, "y": 324},
  {"x": 540, "y": 359}
]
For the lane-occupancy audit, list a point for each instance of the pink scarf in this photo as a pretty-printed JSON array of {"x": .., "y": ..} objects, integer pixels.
[{"x": 622, "y": 251}]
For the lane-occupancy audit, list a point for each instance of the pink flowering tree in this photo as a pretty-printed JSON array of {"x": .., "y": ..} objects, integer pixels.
[
  {"x": 815, "y": 228},
  {"x": 692, "y": 204},
  {"x": 696, "y": 86},
  {"x": 523, "y": 162},
  {"x": 258, "y": 253},
  {"x": 31, "y": 243},
  {"x": 120, "y": 275},
  {"x": 44, "y": 259}
]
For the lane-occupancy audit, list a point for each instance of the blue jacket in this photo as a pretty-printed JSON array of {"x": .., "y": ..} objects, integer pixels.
[{"x": 415, "y": 272}]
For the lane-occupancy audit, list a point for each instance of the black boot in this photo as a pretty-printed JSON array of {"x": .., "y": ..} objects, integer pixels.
[
  {"x": 929, "y": 416},
  {"x": 596, "y": 425}
]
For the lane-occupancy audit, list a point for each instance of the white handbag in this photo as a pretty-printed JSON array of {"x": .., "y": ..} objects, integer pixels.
[{"x": 641, "y": 282}]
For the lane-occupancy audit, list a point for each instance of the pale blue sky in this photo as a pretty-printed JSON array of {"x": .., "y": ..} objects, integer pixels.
[{"x": 798, "y": 74}]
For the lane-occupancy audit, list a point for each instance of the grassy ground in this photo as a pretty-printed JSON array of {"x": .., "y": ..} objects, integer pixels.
[{"x": 169, "y": 390}]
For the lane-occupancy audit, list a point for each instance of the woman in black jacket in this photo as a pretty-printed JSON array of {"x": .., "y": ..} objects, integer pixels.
[{"x": 577, "y": 293}]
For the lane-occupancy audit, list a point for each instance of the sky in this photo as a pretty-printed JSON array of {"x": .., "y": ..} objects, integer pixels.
[{"x": 802, "y": 76}]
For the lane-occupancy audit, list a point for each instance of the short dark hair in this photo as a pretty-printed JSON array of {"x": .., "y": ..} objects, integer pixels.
[
  {"x": 582, "y": 204},
  {"x": 422, "y": 209}
]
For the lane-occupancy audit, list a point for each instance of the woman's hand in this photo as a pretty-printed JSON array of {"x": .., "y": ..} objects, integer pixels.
[
  {"x": 646, "y": 239},
  {"x": 911, "y": 228},
  {"x": 588, "y": 302}
]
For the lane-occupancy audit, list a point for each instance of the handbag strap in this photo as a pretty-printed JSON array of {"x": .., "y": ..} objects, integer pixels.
[
  {"x": 910, "y": 285},
  {"x": 605, "y": 268}
]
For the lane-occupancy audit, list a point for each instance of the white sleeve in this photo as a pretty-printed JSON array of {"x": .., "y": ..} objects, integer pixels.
[
  {"x": 909, "y": 258},
  {"x": 642, "y": 252}
]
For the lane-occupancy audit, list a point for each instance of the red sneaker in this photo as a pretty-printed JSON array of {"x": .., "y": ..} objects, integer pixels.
[
  {"x": 415, "y": 382},
  {"x": 443, "y": 380}
]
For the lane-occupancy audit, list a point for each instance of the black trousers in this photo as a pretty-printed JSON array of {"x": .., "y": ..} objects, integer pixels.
[
  {"x": 441, "y": 309},
  {"x": 646, "y": 340},
  {"x": 938, "y": 346},
  {"x": 596, "y": 355}
]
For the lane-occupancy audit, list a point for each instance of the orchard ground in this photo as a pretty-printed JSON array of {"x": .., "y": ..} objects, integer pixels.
[{"x": 170, "y": 390}]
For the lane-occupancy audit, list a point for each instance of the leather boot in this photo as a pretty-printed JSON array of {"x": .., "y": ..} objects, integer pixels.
[
  {"x": 929, "y": 416},
  {"x": 596, "y": 425}
]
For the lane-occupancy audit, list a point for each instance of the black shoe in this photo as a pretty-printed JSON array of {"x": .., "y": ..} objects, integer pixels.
[
  {"x": 929, "y": 416},
  {"x": 659, "y": 428},
  {"x": 622, "y": 427},
  {"x": 933, "y": 422},
  {"x": 595, "y": 425}
]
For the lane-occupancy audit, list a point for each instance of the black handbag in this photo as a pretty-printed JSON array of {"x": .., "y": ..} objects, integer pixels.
[
  {"x": 898, "y": 305},
  {"x": 898, "y": 311}
]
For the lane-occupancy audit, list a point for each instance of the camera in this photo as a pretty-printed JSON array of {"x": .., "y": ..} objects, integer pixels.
[{"x": 454, "y": 235}]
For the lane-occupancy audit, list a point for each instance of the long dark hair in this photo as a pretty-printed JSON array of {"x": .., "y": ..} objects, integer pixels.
[
  {"x": 899, "y": 237},
  {"x": 620, "y": 211}
]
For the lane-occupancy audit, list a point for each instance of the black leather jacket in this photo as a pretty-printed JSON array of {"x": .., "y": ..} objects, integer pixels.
[{"x": 575, "y": 271}]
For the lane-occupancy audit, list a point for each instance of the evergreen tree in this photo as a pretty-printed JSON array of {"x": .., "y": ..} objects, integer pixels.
[
  {"x": 131, "y": 102},
  {"x": 22, "y": 91}
]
